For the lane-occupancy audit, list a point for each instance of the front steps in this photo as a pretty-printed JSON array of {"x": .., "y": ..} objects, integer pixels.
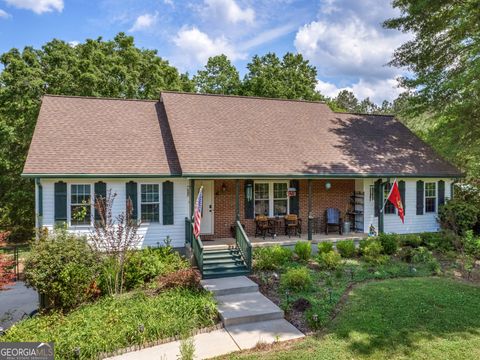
[
  {"x": 223, "y": 262},
  {"x": 248, "y": 316}
]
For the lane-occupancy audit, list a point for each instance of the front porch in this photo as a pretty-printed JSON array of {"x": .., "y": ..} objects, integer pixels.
[{"x": 282, "y": 240}]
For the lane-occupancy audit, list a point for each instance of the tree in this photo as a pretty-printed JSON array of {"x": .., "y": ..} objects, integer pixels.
[
  {"x": 347, "y": 101},
  {"x": 443, "y": 59},
  {"x": 289, "y": 78},
  {"x": 219, "y": 77},
  {"x": 115, "y": 68}
]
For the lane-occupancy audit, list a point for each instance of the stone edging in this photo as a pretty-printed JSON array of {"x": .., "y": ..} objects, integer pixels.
[{"x": 158, "y": 342}]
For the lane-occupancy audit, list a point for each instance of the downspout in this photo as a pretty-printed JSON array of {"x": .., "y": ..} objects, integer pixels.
[{"x": 38, "y": 207}]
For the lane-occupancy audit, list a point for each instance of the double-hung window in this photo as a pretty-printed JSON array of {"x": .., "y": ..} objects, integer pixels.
[
  {"x": 430, "y": 197},
  {"x": 150, "y": 203},
  {"x": 389, "y": 207},
  {"x": 80, "y": 204},
  {"x": 271, "y": 198}
]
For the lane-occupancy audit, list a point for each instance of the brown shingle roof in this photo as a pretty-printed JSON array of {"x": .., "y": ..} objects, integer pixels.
[
  {"x": 222, "y": 135},
  {"x": 258, "y": 136},
  {"x": 76, "y": 135}
]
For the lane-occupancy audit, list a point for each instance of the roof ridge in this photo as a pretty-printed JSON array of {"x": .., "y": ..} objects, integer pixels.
[
  {"x": 243, "y": 97},
  {"x": 97, "y": 97},
  {"x": 359, "y": 113}
]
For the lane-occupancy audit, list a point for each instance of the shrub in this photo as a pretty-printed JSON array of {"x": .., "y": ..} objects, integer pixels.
[
  {"x": 441, "y": 241},
  {"x": 372, "y": 253},
  {"x": 389, "y": 243},
  {"x": 303, "y": 250},
  {"x": 63, "y": 267},
  {"x": 346, "y": 248},
  {"x": 406, "y": 254},
  {"x": 296, "y": 279},
  {"x": 144, "y": 265},
  {"x": 412, "y": 240},
  {"x": 422, "y": 255},
  {"x": 185, "y": 279},
  {"x": 471, "y": 244},
  {"x": 271, "y": 258},
  {"x": 325, "y": 247},
  {"x": 459, "y": 216},
  {"x": 329, "y": 260}
]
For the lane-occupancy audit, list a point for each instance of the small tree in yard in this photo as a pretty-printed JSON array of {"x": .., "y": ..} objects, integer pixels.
[
  {"x": 115, "y": 237},
  {"x": 6, "y": 264}
]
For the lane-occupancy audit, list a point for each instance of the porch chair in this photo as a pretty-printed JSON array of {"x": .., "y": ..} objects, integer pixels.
[
  {"x": 262, "y": 226},
  {"x": 332, "y": 218},
  {"x": 292, "y": 223}
]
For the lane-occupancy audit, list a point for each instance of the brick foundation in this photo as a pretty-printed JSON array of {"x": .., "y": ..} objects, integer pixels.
[{"x": 224, "y": 212}]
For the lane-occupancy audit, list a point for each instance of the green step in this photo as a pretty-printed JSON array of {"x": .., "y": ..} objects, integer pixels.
[
  {"x": 237, "y": 260},
  {"x": 231, "y": 265},
  {"x": 212, "y": 274}
]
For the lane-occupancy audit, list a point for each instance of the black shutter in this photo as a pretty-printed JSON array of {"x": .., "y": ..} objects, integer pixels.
[
  {"x": 401, "y": 188},
  {"x": 167, "y": 198},
  {"x": 419, "y": 197},
  {"x": 377, "y": 195},
  {"x": 60, "y": 202},
  {"x": 294, "y": 200},
  {"x": 441, "y": 193},
  {"x": 131, "y": 193},
  {"x": 249, "y": 208},
  {"x": 100, "y": 194}
]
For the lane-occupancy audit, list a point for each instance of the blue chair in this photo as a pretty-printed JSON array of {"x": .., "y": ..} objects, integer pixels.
[{"x": 332, "y": 218}]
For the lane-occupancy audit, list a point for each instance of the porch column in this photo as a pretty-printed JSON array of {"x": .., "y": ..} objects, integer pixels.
[
  {"x": 237, "y": 200},
  {"x": 310, "y": 201},
  {"x": 192, "y": 198}
]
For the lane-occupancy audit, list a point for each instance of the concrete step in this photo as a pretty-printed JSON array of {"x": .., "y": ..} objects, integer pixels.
[
  {"x": 247, "y": 308},
  {"x": 230, "y": 286}
]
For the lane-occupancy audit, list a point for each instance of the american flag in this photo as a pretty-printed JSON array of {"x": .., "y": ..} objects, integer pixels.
[{"x": 197, "y": 214}]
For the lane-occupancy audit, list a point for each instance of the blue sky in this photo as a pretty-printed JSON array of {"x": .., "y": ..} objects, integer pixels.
[{"x": 342, "y": 38}]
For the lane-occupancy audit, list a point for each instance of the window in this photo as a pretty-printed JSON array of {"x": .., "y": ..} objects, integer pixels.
[
  {"x": 150, "y": 203},
  {"x": 80, "y": 204},
  {"x": 271, "y": 198},
  {"x": 280, "y": 199},
  {"x": 372, "y": 193},
  {"x": 389, "y": 207},
  {"x": 262, "y": 203},
  {"x": 430, "y": 197}
]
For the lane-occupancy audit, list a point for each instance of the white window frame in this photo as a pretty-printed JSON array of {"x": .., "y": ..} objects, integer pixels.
[
  {"x": 139, "y": 203},
  {"x": 385, "y": 196},
  {"x": 430, "y": 197},
  {"x": 271, "y": 195},
  {"x": 69, "y": 204}
]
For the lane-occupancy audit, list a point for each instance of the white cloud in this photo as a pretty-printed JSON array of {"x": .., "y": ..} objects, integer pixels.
[
  {"x": 196, "y": 46},
  {"x": 4, "y": 14},
  {"x": 144, "y": 22},
  {"x": 37, "y": 6},
  {"x": 267, "y": 36},
  {"x": 230, "y": 11},
  {"x": 73, "y": 43},
  {"x": 169, "y": 2},
  {"x": 377, "y": 90}
]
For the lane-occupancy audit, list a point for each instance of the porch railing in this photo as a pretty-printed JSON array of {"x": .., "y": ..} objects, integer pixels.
[
  {"x": 196, "y": 243},
  {"x": 244, "y": 244}
]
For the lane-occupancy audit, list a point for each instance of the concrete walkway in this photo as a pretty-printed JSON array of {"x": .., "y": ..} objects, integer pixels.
[{"x": 248, "y": 316}]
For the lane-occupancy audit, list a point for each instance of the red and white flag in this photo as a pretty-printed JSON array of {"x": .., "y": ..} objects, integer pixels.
[
  {"x": 395, "y": 198},
  {"x": 197, "y": 214}
]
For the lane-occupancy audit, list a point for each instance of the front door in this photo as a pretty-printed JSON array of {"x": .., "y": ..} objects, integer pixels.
[{"x": 208, "y": 206}]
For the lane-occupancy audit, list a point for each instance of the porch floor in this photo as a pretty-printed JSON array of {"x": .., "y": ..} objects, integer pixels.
[{"x": 283, "y": 240}]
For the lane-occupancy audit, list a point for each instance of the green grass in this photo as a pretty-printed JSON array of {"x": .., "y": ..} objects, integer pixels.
[
  {"x": 114, "y": 323},
  {"x": 415, "y": 318}
]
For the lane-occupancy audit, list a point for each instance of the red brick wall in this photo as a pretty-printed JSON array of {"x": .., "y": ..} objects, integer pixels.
[{"x": 224, "y": 212}]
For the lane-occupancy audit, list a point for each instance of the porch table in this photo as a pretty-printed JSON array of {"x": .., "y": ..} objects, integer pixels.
[{"x": 276, "y": 223}]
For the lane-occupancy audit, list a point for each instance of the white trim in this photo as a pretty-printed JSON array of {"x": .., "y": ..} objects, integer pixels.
[
  {"x": 139, "y": 203},
  {"x": 271, "y": 194},
  {"x": 69, "y": 204},
  {"x": 430, "y": 197}
]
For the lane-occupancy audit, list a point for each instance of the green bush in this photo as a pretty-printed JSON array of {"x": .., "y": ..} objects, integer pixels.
[
  {"x": 63, "y": 267},
  {"x": 303, "y": 250},
  {"x": 372, "y": 253},
  {"x": 297, "y": 279},
  {"x": 412, "y": 240},
  {"x": 144, "y": 265},
  {"x": 271, "y": 257},
  {"x": 471, "y": 244},
  {"x": 459, "y": 216},
  {"x": 405, "y": 254},
  {"x": 346, "y": 248},
  {"x": 329, "y": 260},
  {"x": 325, "y": 247},
  {"x": 389, "y": 243},
  {"x": 441, "y": 241},
  {"x": 422, "y": 255}
]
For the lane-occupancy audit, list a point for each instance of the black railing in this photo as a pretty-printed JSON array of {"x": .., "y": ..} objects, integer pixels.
[{"x": 196, "y": 243}]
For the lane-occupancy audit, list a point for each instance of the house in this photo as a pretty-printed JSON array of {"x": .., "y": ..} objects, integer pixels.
[{"x": 251, "y": 155}]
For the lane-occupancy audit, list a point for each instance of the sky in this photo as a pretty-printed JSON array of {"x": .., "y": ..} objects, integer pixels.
[{"x": 344, "y": 39}]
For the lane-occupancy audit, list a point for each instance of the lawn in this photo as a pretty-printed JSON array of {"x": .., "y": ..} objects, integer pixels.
[
  {"x": 411, "y": 318},
  {"x": 117, "y": 322}
]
